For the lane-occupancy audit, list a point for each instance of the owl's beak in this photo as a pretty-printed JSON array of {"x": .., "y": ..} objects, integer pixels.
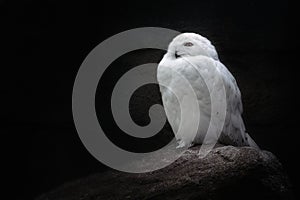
[{"x": 177, "y": 55}]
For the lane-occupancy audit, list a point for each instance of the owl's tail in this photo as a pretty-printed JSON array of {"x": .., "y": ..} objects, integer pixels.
[{"x": 251, "y": 142}]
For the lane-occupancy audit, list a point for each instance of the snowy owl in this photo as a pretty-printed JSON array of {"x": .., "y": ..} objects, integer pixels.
[{"x": 187, "y": 55}]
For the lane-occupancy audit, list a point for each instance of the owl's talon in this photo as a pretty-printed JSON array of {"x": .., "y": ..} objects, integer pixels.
[{"x": 181, "y": 144}]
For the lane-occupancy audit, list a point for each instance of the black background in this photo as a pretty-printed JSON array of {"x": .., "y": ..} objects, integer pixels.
[{"x": 44, "y": 43}]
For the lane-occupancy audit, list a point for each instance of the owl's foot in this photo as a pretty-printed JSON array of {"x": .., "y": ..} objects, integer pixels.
[{"x": 182, "y": 144}]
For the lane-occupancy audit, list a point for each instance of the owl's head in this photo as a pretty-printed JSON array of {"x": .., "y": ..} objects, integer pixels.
[{"x": 192, "y": 44}]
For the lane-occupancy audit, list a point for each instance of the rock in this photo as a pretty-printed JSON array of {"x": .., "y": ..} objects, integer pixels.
[{"x": 227, "y": 172}]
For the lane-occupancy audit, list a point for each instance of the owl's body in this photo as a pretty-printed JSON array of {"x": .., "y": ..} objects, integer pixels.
[{"x": 196, "y": 60}]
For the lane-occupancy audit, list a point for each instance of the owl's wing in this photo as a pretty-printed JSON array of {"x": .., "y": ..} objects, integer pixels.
[{"x": 234, "y": 131}]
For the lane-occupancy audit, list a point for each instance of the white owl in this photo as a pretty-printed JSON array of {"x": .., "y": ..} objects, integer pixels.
[{"x": 187, "y": 55}]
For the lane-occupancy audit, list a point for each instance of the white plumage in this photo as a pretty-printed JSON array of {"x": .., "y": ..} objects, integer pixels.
[{"x": 188, "y": 54}]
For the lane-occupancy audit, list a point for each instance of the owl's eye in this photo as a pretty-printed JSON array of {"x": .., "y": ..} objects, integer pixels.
[{"x": 188, "y": 44}]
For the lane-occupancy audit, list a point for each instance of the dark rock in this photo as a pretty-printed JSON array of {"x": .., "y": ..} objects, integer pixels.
[{"x": 225, "y": 173}]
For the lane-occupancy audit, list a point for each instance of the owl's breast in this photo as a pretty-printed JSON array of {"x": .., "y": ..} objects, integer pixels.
[{"x": 174, "y": 74}]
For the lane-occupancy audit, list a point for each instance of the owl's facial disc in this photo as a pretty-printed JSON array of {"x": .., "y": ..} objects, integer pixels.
[
  {"x": 183, "y": 49},
  {"x": 191, "y": 44}
]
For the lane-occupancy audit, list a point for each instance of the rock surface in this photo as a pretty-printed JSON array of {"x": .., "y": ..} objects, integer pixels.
[{"x": 225, "y": 173}]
